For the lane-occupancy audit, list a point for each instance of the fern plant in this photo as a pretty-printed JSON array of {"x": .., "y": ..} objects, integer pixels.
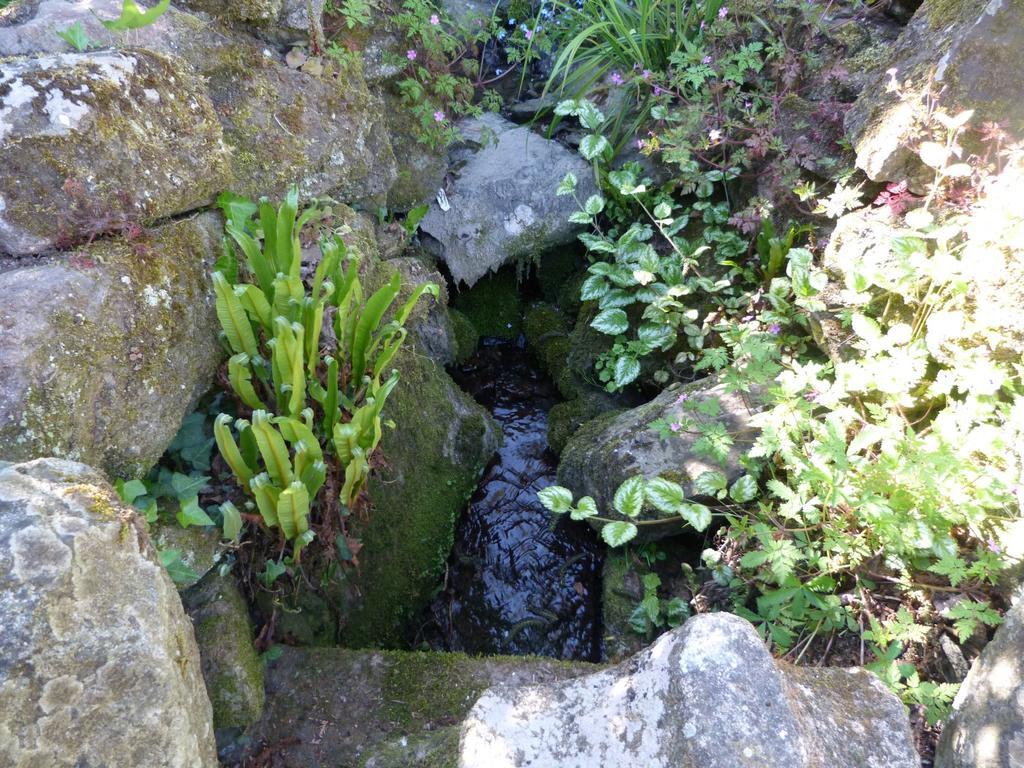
[{"x": 316, "y": 397}]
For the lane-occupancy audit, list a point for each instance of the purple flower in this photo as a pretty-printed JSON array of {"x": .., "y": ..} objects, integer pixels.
[
  {"x": 774, "y": 329},
  {"x": 657, "y": 90},
  {"x": 640, "y": 144},
  {"x": 410, "y": 54},
  {"x": 723, "y": 11},
  {"x": 646, "y": 74},
  {"x": 616, "y": 78},
  {"x": 675, "y": 427},
  {"x": 702, "y": 25},
  {"x": 706, "y": 60},
  {"x": 993, "y": 546},
  {"x": 682, "y": 398},
  {"x": 439, "y": 116},
  {"x": 434, "y": 20}
]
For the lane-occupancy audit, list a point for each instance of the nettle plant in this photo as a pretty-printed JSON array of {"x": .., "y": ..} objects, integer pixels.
[
  {"x": 656, "y": 289},
  {"x": 316, "y": 396}
]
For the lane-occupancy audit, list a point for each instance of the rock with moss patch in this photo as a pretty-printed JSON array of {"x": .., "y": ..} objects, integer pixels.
[
  {"x": 93, "y": 142},
  {"x": 565, "y": 419},
  {"x": 104, "y": 352},
  {"x": 502, "y": 206},
  {"x": 198, "y": 546},
  {"x": 433, "y": 460},
  {"x": 610, "y": 449},
  {"x": 343, "y": 707},
  {"x": 326, "y": 132},
  {"x": 968, "y": 50},
  {"x": 467, "y": 339},
  {"x": 707, "y": 695},
  {"x": 232, "y": 669},
  {"x": 986, "y": 728},
  {"x": 493, "y": 306},
  {"x": 98, "y": 662}
]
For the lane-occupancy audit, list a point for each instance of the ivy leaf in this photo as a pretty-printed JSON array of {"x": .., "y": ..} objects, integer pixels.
[
  {"x": 610, "y": 321},
  {"x": 696, "y": 515},
  {"x": 743, "y": 490},
  {"x": 556, "y": 499},
  {"x": 585, "y": 507},
  {"x": 180, "y": 573},
  {"x": 665, "y": 495},
  {"x": 617, "y": 534},
  {"x": 567, "y": 185},
  {"x": 629, "y": 497},
  {"x": 192, "y": 514},
  {"x": 186, "y": 486},
  {"x": 131, "y": 490}
]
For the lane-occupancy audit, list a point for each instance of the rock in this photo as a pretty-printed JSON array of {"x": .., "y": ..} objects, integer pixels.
[
  {"x": 421, "y": 167},
  {"x": 280, "y": 21},
  {"x": 610, "y": 449},
  {"x": 326, "y": 133},
  {"x": 967, "y": 49},
  {"x": 433, "y": 461},
  {"x": 103, "y": 352},
  {"x": 98, "y": 663},
  {"x": 198, "y": 545},
  {"x": 707, "y": 695},
  {"x": 344, "y": 707},
  {"x": 466, "y": 337},
  {"x": 986, "y": 727},
  {"x": 232, "y": 669},
  {"x": 621, "y": 592},
  {"x": 101, "y": 141},
  {"x": 502, "y": 205},
  {"x": 429, "y": 324},
  {"x": 493, "y": 306}
]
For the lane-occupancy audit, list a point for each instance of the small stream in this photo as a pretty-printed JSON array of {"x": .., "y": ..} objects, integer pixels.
[{"x": 517, "y": 584}]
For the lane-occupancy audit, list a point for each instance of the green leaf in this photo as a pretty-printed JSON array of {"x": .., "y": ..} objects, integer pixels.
[
  {"x": 626, "y": 370},
  {"x": 180, "y": 573},
  {"x": 610, "y": 321},
  {"x": 271, "y": 571},
  {"x": 233, "y": 318},
  {"x": 696, "y": 515},
  {"x": 556, "y": 499},
  {"x": 237, "y": 209},
  {"x": 232, "y": 521},
  {"x": 594, "y": 205},
  {"x": 709, "y": 483},
  {"x": 187, "y": 486},
  {"x": 593, "y": 288},
  {"x": 593, "y": 145},
  {"x": 585, "y": 507},
  {"x": 743, "y": 490},
  {"x": 665, "y": 495},
  {"x": 131, "y": 490},
  {"x": 133, "y": 17},
  {"x": 629, "y": 497},
  {"x": 191, "y": 513},
  {"x": 76, "y": 37},
  {"x": 567, "y": 185},
  {"x": 617, "y": 534}
]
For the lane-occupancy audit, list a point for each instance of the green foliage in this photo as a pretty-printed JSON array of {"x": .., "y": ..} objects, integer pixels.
[
  {"x": 133, "y": 17},
  {"x": 631, "y": 498},
  {"x": 316, "y": 398},
  {"x": 653, "y": 612},
  {"x": 76, "y": 37}
]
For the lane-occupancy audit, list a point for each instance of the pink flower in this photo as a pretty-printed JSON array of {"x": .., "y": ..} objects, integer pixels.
[
  {"x": 529, "y": 34},
  {"x": 675, "y": 427},
  {"x": 706, "y": 60},
  {"x": 646, "y": 74},
  {"x": 640, "y": 144},
  {"x": 410, "y": 54},
  {"x": 616, "y": 78},
  {"x": 657, "y": 90},
  {"x": 723, "y": 11},
  {"x": 439, "y": 116},
  {"x": 434, "y": 20},
  {"x": 682, "y": 398}
]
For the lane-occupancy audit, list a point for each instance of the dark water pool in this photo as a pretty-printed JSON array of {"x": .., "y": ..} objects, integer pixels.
[{"x": 517, "y": 584}]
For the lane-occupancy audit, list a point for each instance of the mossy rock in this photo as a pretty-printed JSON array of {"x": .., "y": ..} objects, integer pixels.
[
  {"x": 554, "y": 270},
  {"x": 622, "y": 590},
  {"x": 433, "y": 459},
  {"x": 105, "y": 352},
  {"x": 375, "y": 700},
  {"x": 565, "y": 419},
  {"x": 232, "y": 669},
  {"x": 467, "y": 339},
  {"x": 94, "y": 141},
  {"x": 199, "y": 547},
  {"x": 493, "y": 305}
]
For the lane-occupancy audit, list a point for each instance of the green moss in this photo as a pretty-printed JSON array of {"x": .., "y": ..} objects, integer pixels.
[
  {"x": 564, "y": 419},
  {"x": 946, "y": 13},
  {"x": 466, "y": 337},
  {"x": 433, "y": 460},
  {"x": 556, "y": 268},
  {"x": 493, "y": 305},
  {"x": 543, "y": 323}
]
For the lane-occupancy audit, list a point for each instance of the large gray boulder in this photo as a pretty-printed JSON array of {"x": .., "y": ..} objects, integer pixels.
[
  {"x": 98, "y": 663},
  {"x": 103, "y": 352},
  {"x": 986, "y": 728},
  {"x": 325, "y": 132},
  {"x": 91, "y": 142},
  {"x": 502, "y": 204},
  {"x": 611, "y": 448},
  {"x": 707, "y": 695},
  {"x": 966, "y": 52}
]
